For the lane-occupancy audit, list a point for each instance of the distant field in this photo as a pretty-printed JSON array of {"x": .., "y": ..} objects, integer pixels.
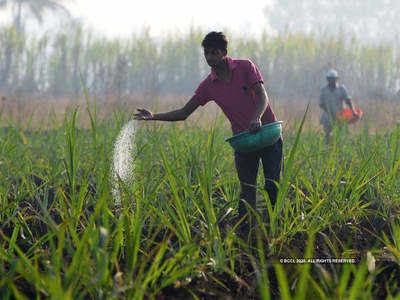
[
  {"x": 378, "y": 114},
  {"x": 174, "y": 234}
]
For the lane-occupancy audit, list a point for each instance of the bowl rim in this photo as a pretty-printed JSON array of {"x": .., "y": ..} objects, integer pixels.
[{"x": 247, "y": 132}]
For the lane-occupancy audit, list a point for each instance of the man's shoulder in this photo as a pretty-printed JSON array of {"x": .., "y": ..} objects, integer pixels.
[
  {"x": 240, "y": 62},
  {"x": 324, "y": 88},
  {"x": 243, "y": 62},
  {"x": 245, "y": 65},
  {"x": 342, "y": 90}
]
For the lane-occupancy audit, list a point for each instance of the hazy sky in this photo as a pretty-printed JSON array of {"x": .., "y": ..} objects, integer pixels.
[{"x": 121, "y": 17}]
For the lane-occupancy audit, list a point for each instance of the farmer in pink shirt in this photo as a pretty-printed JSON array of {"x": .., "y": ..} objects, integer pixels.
[{"x": 236, "y": 86}]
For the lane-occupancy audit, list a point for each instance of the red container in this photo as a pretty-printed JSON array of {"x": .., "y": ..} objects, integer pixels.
[{"x": 346, "y": 115}]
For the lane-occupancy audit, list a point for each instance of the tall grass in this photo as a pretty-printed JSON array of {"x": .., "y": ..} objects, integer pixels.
[
  {"x": 62, "y": 236},
  {"x": 50, "y": 65}
]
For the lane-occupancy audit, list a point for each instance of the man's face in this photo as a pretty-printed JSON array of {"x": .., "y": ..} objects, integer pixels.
[
  {"x": 214, "y": 57},
  {"x": 332, "y": 81}
]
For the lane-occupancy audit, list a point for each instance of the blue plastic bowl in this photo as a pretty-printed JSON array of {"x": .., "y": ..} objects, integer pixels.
[{"x": 248, "y": 142}]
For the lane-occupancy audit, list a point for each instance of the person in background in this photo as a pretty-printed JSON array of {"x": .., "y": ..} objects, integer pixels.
[
  {"x": 331, "y": 100},
  {"x": 236, "y": 86}
]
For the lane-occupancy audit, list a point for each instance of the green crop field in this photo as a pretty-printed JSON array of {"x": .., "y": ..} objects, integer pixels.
[{"x": 62, "y": 236}]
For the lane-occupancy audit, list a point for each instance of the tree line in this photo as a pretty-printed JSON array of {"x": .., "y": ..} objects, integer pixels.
[{"x": 293, "y": 64}]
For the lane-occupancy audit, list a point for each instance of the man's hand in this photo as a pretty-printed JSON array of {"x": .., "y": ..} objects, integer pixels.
[
  {"x": 355, "y": 115},
  {"x": 143, "y": 114},
  {"x": 255, "y": 125}
]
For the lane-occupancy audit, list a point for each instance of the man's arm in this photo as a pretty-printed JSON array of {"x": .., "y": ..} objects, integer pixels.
[
  {"x": 175, "y": 115},
  {"x": 262, "y": 100},
  {"x": 351, "y": 106},
  {"x": 349, "y": 103}
]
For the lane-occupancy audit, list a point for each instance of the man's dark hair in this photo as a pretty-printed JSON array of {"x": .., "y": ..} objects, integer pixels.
[{"x": 215, "y": 40}]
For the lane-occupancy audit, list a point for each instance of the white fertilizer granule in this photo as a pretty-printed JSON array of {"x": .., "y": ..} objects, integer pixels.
[{"x": 123, "y": 159}]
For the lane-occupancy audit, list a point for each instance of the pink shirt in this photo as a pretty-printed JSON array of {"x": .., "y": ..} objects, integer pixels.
[{"x": 236, "y": 99}]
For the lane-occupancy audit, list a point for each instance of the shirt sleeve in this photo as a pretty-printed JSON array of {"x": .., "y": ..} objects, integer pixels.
[
  {"x": 346, "y": 97},
  {"x": 253, "y": 75},
  {"x": 201, "y": 95}
]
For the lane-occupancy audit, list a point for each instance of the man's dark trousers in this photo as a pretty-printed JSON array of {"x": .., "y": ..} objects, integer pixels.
[{"x": 247, "y": 169}]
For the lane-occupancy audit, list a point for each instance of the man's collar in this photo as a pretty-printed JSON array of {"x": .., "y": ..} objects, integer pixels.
[
  {"x": 334, "y": 88},
  {"x": 231, "y": 65}
]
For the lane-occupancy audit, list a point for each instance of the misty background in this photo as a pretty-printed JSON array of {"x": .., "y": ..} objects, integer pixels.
[{"x": 48, "y": 51}]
